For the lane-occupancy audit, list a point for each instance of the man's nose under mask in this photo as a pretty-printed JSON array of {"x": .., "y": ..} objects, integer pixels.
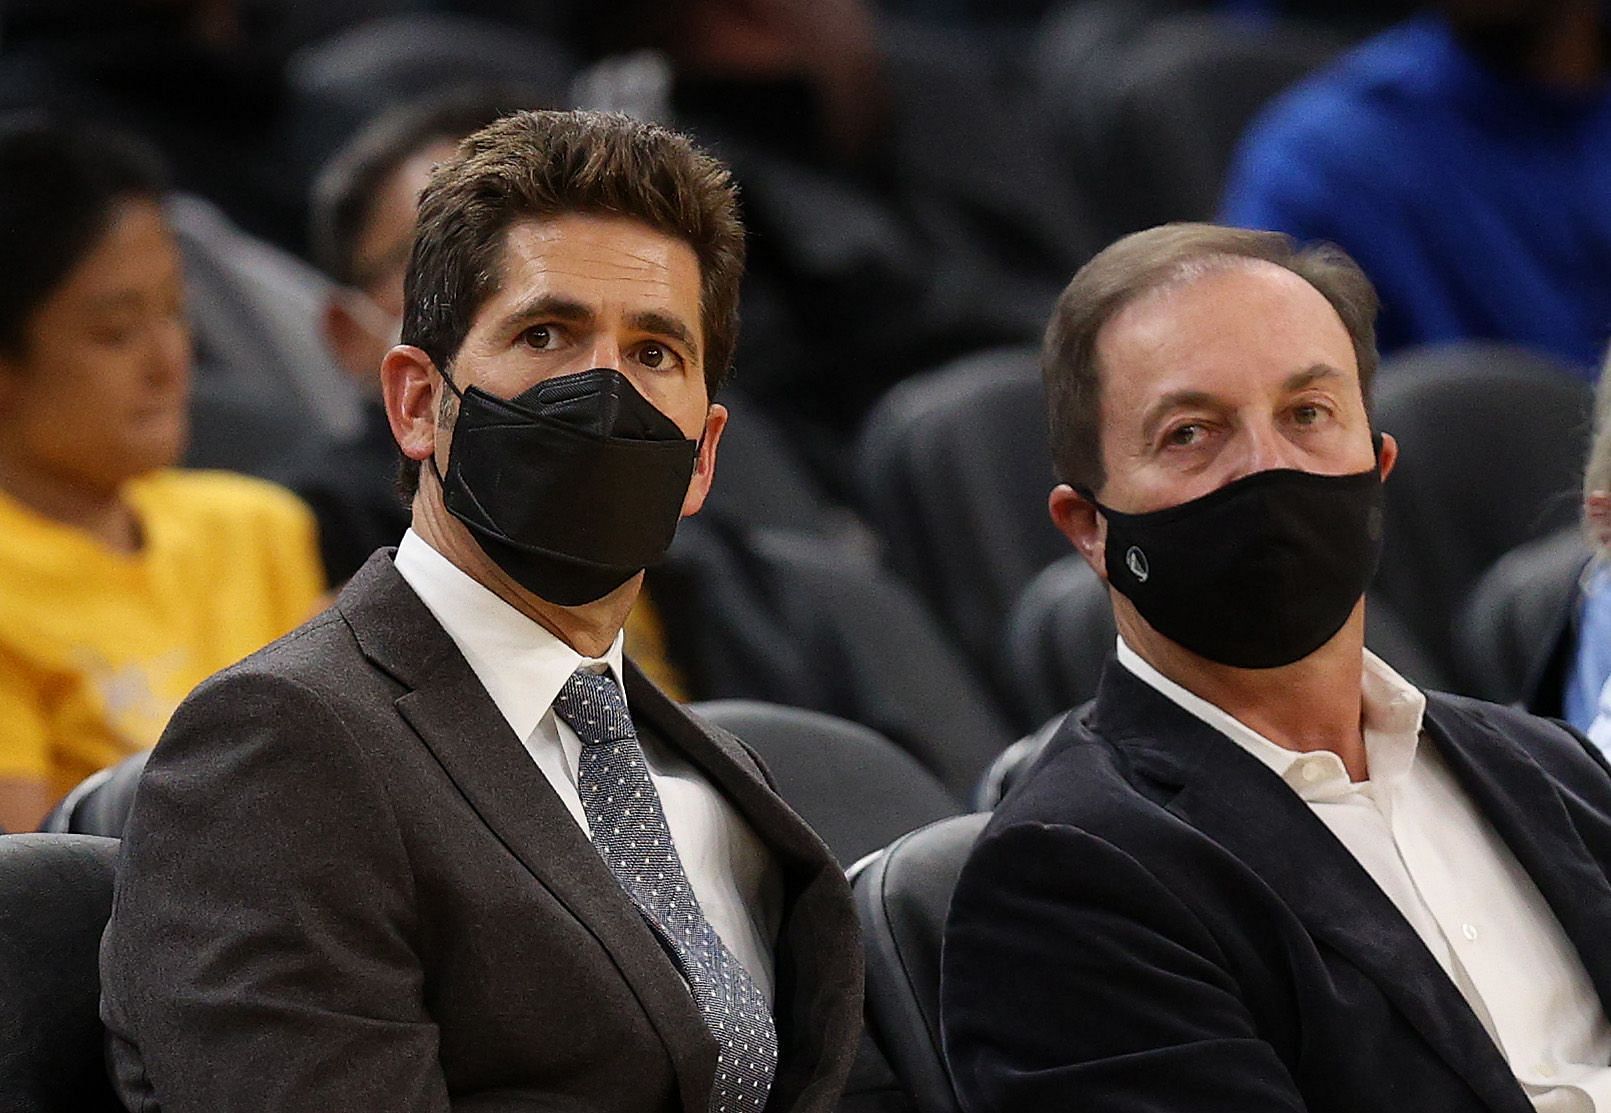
[
  {"x": 1258, "y": 574},
  {"x": 572, "y": 487}
]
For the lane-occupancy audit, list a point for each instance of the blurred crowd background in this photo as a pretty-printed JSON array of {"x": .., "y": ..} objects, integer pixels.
[{"x": 920, "y": 179}]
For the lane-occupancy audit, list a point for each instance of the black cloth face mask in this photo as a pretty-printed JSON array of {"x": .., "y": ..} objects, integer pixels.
[
  {"x": 1261, "y": 572},
  {"x": 572, "y": 487}
]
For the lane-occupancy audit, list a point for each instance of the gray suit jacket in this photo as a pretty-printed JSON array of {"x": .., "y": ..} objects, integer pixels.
[{"x": 345, "y": 886}]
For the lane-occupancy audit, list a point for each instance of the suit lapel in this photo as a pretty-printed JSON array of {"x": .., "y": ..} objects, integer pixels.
[
  {"x": 456, "y": 719},
  {"x": 1234, "y": 799},
  {"x": 1517, "y": 797}
]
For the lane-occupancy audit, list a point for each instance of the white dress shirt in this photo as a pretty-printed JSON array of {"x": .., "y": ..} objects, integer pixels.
[
  {"x": 1421, "y": 839},
  {"x": 523, "y": 666}
]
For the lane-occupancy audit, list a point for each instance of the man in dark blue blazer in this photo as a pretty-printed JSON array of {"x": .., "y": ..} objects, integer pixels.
[{"x": 1261, "y": 871}]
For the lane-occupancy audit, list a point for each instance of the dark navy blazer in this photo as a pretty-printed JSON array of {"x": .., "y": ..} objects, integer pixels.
[{"x": 1153, "y": 920}]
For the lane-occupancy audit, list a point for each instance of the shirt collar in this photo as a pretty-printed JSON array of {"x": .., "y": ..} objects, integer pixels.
[
  {"x": 521, "y": 664},
  {"x": 1392, "y": 712}
]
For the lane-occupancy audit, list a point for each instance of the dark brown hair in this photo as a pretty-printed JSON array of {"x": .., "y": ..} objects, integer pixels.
[
  {"x": 1145, "y": 261},
  {"x": 545, "y": 164}
]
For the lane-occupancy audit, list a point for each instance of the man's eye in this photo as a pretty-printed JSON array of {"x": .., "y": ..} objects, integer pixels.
[
  {"x": 1307, "y": 414},
  {"x": 540, "y": 337},
  {"x": 655, "y": 356},
  {"x": 1184, "y": 435}
]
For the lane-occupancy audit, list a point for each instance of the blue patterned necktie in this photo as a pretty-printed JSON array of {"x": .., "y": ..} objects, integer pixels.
[{"x": 629, "y": 830}]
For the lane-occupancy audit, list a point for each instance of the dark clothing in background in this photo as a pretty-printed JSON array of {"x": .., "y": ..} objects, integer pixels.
[
  {"x": 952, "y": 232},
  {"x": 219, "y": 114}
]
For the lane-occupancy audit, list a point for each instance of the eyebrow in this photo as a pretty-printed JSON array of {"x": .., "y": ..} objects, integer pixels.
[
  {"x": 664, "y": 324},
  {"x": 549, "y": 305},
  {"x": 554, "y": 307},
  {"x": 1180, "y": 399},
  {"x": 1174, "y": 400},
  {"x": 1311, "y": 375}
]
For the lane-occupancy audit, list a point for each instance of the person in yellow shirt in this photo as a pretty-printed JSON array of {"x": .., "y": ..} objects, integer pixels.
[{"x": 123, "y": 581}]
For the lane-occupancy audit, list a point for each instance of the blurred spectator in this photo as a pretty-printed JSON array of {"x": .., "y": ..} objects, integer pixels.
[
  {"x": 265, "y": 389},
  {"x": 363, "y": 212},
  {"x": 903, "y": 209},
  {"x": 126, "y": 582},
  {"x": 1588, "y": 684},
  {"x": 1461, "y": 158}
]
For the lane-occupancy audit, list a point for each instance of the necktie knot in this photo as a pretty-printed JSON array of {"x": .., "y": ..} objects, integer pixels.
[{"x": 591, "y": 702}]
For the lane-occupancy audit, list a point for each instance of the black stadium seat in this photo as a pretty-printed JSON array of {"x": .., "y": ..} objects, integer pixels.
[
  {"x": 1060, "y": 633},
  {"x": 902, "y": 898},
  {"x": 1491, "y": 447},
  {"x": 1188, "y": 88},
  {"x": 1517, "y": 635},
  {"x": 101, "y": 802},
  {"x": 764, "y": 483},
  {"x": 1016, "y": 760},
  {"x": 955, "y": 471},
  {"x": 797, "y": 619},
  {"x": 856, "y": 789},
  {"x": 55, "y": 897},
  {"x": 854, "y": 786}
]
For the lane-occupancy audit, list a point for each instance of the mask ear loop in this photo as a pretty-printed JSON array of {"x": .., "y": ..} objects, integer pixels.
[
  {"x": 1089, "y": 496},
  {"x": 459, "y": 394}
]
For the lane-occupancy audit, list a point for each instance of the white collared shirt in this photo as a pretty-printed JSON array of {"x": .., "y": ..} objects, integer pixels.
[
  {"x": 523, "y": 666},
  {"x": 1422, "y": 840}
]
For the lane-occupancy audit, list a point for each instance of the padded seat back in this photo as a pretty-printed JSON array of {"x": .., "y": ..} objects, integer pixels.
[
  {"x": 55, "y": 898},
  {"x": 795, "y": 619},
  {"x": 955, "y": 470},
  {"x": 902, "y": 898},
  {"x": 1190, "y": 86},
  {"x": 1491, "y": 447},
  {"x": 1517, "y": 636},
  {"x": 101, "y": 802},
  {"x": 856, "y": 788}
]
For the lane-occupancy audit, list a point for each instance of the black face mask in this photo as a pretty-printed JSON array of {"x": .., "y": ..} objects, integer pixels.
[
  {"x": 572, "y": 487},
  {"x": 1260, "y": 573}
]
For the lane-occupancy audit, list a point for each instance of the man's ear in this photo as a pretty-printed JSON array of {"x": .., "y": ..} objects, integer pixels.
[
  {"x": 1389, "y": 455},
  {"x": 409, "y": 388},
  {"x": 705, "y": 462},
  {"x": 1082, "y": 523}
]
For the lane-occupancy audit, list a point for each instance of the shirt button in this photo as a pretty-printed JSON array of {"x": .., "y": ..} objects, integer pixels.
[
  {"x": 1544, "y": 1070},
  {"x": 1470, "y": 932},
  {"x": 1311, "y": 772}
]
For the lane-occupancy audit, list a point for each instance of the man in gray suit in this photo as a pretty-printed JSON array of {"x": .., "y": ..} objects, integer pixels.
[{"x": 443, "y": 848}]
